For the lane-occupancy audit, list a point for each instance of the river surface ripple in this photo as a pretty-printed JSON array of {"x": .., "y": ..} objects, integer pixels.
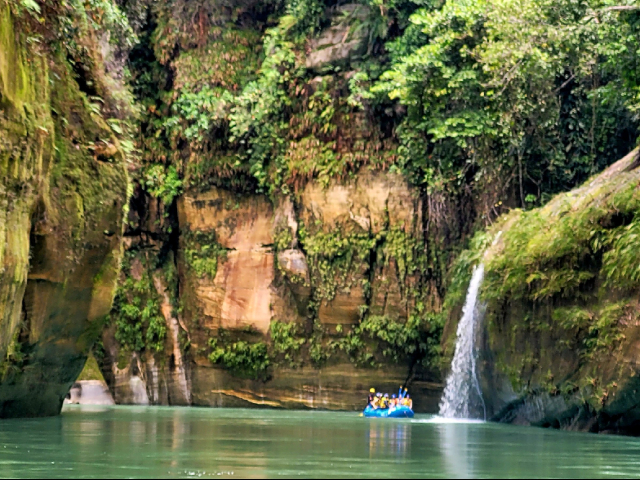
[{"x": 132, "y": 442}]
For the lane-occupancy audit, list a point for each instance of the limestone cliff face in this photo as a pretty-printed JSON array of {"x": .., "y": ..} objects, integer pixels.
[
  {"x": 60, "y": 225},
  {"x": 265, "y": 271},
  {"x": 240, "y": 294},
  {"x": 561, "y": 330},
  {"x": 271, "y": 254}
]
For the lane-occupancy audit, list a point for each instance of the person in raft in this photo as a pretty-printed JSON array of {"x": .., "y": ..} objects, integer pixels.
[
  {"x": 372, "y": 397},
  {"x": 378, "y": 400},
  {"x": 373, "y": 400}
]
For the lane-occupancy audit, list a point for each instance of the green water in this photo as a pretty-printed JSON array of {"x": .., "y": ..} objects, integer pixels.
[{"x": 188, "y": 442}]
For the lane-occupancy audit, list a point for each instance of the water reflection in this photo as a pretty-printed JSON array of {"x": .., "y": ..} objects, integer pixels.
[
  {"x": 387, "y": 438},
  {"x": 455, "y": 449},
  {"x": 181, "y": 442}
]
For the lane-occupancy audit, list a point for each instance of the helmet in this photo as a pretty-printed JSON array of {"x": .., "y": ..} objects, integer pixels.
[
  {"x": 386, "y": 395},
  {"x": 373, "y": 390},
  {"x": 407, "y": 396},
  {"x": 393, "y": 396},
  {"x": 378, "y": 394}
]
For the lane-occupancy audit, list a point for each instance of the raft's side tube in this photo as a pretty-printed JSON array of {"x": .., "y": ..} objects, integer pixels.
[{"x": 396, "y": 412}]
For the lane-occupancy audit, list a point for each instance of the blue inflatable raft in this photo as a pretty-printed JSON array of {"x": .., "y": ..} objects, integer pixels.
[{"x": 396, "y": 412}]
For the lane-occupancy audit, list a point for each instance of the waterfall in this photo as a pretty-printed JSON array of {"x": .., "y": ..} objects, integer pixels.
[{"x": 462, "y": 396}]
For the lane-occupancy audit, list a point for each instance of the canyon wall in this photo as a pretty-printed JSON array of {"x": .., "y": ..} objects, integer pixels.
[
  {"x": 283, "y": 264},
  {"x": 244, "y": 276},
  {"x": 304, "y": 176},
  {"x": 62, "y": 189}
]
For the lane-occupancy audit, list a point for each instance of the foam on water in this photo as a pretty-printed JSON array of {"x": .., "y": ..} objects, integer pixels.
[{"x": 438, "y": 420}]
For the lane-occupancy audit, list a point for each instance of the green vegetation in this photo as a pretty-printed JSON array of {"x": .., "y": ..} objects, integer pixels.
[
  {"x": 517, "y": 92},
  {"x": 14, "y": 359},
  {"x": 482, "y": 105},
  {"x": 416, "y": 340},
  {"x": 242, "y": 358},
  {"x": 66, "y": 124},
  {"x": 283, "y": 239},
  {"x": 203, "y": 253},
  {"x": 561, "y": 281},
  {"x": 91, "y": 370},
  {"x": 335, "y": 260},
  {"x": 163, "y": 183},
  {"x": 136, "y": 313},
  {"x": 285, "y": 342},
  {"x": 588, "y": 238}
]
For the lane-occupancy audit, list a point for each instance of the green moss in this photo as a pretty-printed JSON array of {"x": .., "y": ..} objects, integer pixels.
[
  {"x": 560, "y": 281},
  {"x": 405, "y": 249},
  {"x": 91, "y": 370},
  {"x": 244, "y": 359},
  {"x": 15, "y": 77},
  {"x": 559, "y": 250},
  {"x": 620, "y": 263},
  {"x": 334, "y": 258},
  {"x": 283, "y": 239},
  {"x": 14, "y": 359},
  {"x": 136, "y": 313},
  {"x": 203, "y": 253}
]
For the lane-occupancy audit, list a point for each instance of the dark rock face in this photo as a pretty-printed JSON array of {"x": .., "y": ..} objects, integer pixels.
[{"x": 341, "y": 42}]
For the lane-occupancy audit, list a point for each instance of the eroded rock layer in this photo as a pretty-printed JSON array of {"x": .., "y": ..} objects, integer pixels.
[{"x": 264, "y": 313}]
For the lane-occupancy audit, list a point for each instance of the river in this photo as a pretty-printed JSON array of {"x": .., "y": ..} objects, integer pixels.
[{"x": 137, "y": 442}]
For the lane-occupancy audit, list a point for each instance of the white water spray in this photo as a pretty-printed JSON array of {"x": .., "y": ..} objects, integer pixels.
[{"x": 462, "y": 396}]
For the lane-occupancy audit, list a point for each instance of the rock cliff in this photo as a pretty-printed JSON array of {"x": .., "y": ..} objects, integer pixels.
[
  {"x": 61, "y": 207},
  {"x": 561, "y": 328},
  {"x": 304, "y": 175},
  {"x": 272, "y": 257},
  {"x": 244, "y": 276}
]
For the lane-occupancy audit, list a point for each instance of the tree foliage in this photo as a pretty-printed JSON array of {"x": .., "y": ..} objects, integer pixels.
[{"x": 515, "y": 96}]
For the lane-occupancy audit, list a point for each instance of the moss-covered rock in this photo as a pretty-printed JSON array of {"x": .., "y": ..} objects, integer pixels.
[
  {"x": 561, "y": 326},
  {"x": 61, "y": 204}
]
